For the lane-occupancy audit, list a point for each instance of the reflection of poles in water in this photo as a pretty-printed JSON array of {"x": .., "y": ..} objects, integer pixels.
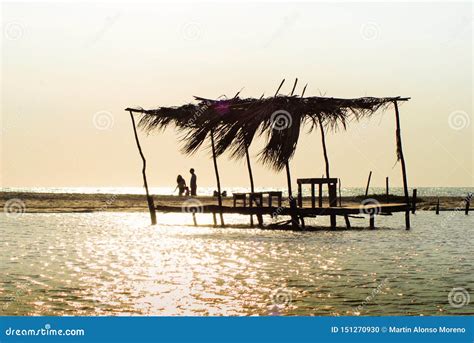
[
  {"x": 219, "y": 195},
  {"x": 151, "y": 205}
]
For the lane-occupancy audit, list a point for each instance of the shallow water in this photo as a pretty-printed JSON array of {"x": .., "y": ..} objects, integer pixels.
[{"x": 116, "y": 264}]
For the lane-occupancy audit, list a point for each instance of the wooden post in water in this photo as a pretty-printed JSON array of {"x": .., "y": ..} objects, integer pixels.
[
  {"x": 348, "y": 223},
  {"x": 437, "y": 207},
  {"x": 372, "y": 221},
  {"x": 149, "y": 198},
  {"x": 468, "y": 202},
  {"x": 216, "y": 169},
  {"x": 402, "y": 161},
  {"x": 387, "y": 191},
  {"x": 368, "y": 184},
  {"x": 413, "y": 206}
]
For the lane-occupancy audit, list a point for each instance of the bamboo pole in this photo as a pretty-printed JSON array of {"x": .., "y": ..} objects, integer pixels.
[
  {"x": 151, "y": 205},
  {"x": 402, "y": 161},
  {"x": 216, "y": 169}
]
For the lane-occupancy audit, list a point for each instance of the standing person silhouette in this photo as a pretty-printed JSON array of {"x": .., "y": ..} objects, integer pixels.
[{"x": 193, "y": 182}]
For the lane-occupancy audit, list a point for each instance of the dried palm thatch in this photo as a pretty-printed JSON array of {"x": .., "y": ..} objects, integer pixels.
[{"x": 236, "y": 122}]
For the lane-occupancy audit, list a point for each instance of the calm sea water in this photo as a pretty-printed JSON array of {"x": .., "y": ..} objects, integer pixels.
[
  {"x": 116, "y": 264},
  {"x": 345, "y": 191}
]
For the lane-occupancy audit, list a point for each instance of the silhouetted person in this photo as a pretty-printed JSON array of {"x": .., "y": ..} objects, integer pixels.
[
  {"x": 183, "y": 189},
  {"x": 193, "y": 182}
]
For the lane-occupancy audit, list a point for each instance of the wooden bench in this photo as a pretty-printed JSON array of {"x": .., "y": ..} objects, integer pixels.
[{"x": 257, "y": 198}]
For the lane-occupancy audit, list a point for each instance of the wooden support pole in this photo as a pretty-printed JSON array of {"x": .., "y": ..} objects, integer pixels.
[
  {"x": 340, "y": 195},
  {"x": 292, "y": 201},
  {"x": 214, "y": 219},
  {"x": 332, "y": 194},
  {"x": 437, "y": 207},
  {"x": 468, "y": 202},
  {"x": 413, "y": 206},
  {"x": 402, "y": 161},
  {"x": 300, "y": 196},
  {"x": 372, "y": 221},
  {"x": 348, "y": 223},
  {"x": 294, "y": 217},
  {"x": 313, "y": 196},
  {"x": 387, "y": 190},
  {"x": 325, "y": 152},
  {"x": 216, "y": 170},
  {"x": 368, "y": 184},
  {"x": 149, "y": 198},
  {"x": 194, "y": 219},
  {"x": 252, "y": 187},
  {"x": 320, "y": 195}
]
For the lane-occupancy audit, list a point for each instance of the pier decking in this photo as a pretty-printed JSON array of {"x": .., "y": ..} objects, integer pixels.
[{"x": 372, "y": 210}]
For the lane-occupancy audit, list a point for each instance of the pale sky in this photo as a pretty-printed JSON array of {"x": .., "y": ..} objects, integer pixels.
[{"x": 67, "y": 66}]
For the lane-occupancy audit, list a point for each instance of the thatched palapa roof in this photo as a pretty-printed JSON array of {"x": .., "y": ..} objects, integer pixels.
[{"x": 235, "y": 122}]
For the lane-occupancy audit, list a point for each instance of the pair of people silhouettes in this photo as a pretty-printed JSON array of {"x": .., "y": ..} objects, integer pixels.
[{"x": 183, "y": 188}]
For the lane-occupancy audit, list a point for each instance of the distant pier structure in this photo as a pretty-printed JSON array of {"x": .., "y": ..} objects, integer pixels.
[{"x": 231, "y": 125}]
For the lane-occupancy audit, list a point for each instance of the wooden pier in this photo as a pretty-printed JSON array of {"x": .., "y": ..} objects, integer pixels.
[{"x": 372, "y": 210}]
